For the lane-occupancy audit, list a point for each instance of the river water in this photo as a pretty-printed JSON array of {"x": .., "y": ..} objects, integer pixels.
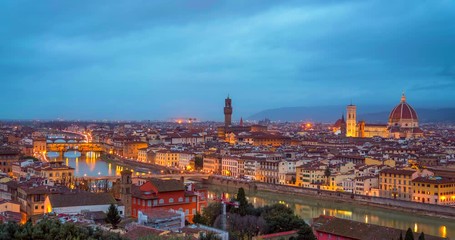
[
  {"x": 308, "y": 208},
  {"x": 305, "y": 207}
]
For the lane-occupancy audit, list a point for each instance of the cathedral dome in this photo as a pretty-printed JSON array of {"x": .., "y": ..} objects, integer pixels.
[{"x": 403, "y": 115}]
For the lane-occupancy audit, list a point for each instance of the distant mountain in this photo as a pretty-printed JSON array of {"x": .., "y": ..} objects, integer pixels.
[{"x": 332, "y": 113}]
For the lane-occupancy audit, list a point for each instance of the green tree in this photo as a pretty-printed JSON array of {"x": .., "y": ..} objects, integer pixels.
[
  {"x": 327, "y": 174},
  {"x": 52, "y": 229},
  {"x": 211, "y": 212},
  {"x": 409, "y": 235},
  {"x": 305, "y": 233},
  {"x": 113, "y": 216},
  {"x": 280, "y": 218},
  {"x": 199, "y": 219},
  {"x": 422, "y": 236},
  {"x": 198, "y": 163},
  {"x": 243, "y": 206}
]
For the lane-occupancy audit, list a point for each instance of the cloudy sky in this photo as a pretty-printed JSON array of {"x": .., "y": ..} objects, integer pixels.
[{"x": 163, "y": 59}]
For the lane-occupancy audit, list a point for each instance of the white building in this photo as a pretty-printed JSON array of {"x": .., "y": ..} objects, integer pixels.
[{"x": 74, "y": 203}]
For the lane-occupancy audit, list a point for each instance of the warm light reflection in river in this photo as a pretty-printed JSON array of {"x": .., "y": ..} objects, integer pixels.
[
  {"x": 87, "y": 164},
  {"x": 309, "y": 208}
]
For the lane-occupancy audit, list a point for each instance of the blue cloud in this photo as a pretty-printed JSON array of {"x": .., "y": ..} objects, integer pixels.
[{"x": 160, "y": 59}]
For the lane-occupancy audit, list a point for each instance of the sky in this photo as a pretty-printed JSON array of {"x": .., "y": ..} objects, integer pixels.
[{"x": 156, "y": 60}]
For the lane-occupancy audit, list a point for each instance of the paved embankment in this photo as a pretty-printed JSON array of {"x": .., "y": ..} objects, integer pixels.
[{"x": 399, "y": 205}]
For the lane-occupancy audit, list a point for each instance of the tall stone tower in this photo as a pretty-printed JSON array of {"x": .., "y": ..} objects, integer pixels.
[
  {"x": 227, "y": 112},
  {"x": 125, "y": 191},
  {"x": 351, "y": 121}
]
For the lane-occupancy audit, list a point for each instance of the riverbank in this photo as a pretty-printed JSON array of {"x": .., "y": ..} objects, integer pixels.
[
  {"x": 438, "y": 211},
  {"x": 137, "y": 166}
]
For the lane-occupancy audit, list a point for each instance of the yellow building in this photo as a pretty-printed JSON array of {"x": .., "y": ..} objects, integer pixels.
[
  {"x": 56, "y": 172},
  {"x": 397, "y": 183},
  {"x": 39, "y": 145},
  {"x": 167, "y": 158},
  {"x": 274, "y": 140},
  {"x": 142, "y": 155},
  {"x": 131, "y": 149},
  {"x": 309, "y": 176},
  {"x": 434, "y": 190},
  {"x": 365, "y": 130},
  {"x": 388, "y": 162},
  {"x": 351, "y": 121}
]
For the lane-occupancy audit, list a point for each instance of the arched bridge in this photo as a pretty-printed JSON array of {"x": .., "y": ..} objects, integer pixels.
[{"x": 81, "y": 147}]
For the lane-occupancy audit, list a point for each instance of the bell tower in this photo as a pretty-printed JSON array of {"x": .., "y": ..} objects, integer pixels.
[
  {"x": 125, "y": 191},
  {"x": 351, "y": 121},
  {"x": 227, "y": 112}
]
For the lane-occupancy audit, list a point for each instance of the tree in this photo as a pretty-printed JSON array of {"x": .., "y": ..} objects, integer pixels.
[
  {"x": 113, "y": 217},
  {"x": 305, "y": 233},
  {"x": 52, "y": 229},
  {"x": 422, "y": 236},
  {"x": 409, "y": 235},
  {"x": 211, "y": 212},
  {"x": 199, "y": 219},
  {"x": 198, "y": 163},
  {"x": 243, "y": 203},
  {"x": 241, "y": 227},
  {"x": 280, "y": 218},
  {"x": 327, "y": 174}
]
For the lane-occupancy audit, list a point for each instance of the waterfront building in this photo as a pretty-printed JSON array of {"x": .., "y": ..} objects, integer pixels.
[
  {"x": 268, "y": 171},
  {"x": 131, "y": 149},
  {"x": 212, "y": 164},
  {"x": 167, "y": 158},
  {"x": 39, "y": 145},
  {"x": 186, "y": 160},
  {"x": 251, "y": 167},
  {"x": 286, "y": 172},
  {"x": 174, "y": 158},
  {"x": 365, "y": 185},
  {"x": 142, "y": 155},
  {"x": 310, "y": 175},
  {"x": 434, "y": 190},
  {"x": 232, "y": 166},
  {"x": 397, "y": 183}
]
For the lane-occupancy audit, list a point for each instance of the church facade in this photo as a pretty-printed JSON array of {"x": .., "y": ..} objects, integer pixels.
[{"x": 403, "y": 123}]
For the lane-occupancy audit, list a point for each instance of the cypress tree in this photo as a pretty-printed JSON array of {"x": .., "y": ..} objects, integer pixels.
[
  {"x": 113, "y": 217},
  {"x": 409, "y": 235},
  {"x": 422, "y": 236}
]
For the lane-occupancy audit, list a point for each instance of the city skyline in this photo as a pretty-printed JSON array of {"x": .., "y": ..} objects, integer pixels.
[{"x": 160, "y": 60}]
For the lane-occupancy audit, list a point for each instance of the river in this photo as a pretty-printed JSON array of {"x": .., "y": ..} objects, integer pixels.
[
  {"x": 305, "y": 207},
  {"x": 308, "y": 208}
]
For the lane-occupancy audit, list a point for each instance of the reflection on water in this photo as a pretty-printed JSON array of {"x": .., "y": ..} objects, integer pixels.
[
  {"x": 87, "y": 164},
  {"x": 309, "y": 208}
]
